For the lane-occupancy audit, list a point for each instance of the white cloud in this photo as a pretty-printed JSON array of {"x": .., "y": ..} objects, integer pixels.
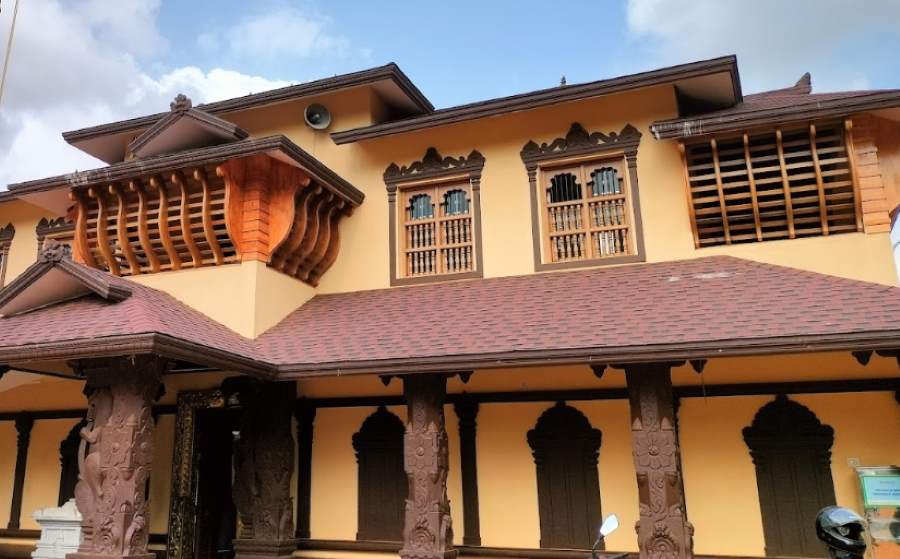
[
  {"x": 76, "y": 64},
  {"x": 776, "y": 41},
  {"x": 282, "y": 32}
]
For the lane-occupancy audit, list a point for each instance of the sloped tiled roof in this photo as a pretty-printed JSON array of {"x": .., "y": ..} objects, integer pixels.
[
  {"x": 706, "y": 303},
  {"x": 778, "y": 106},
  {"x": 93, "y": 321},
  {"x": 673, "y": 310}
]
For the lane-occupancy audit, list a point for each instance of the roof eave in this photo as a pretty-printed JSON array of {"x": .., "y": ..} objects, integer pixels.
[
  {"x": 544, "y": 97},
  {"x": 317, "y": 87},
  {"x": 757, "y": 347},
  {"x": 698, "y": 126},
  {"x": 277, "y": 143}
]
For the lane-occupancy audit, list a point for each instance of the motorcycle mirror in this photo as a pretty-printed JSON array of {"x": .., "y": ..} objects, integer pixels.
[{"x": 610, "y": 524}]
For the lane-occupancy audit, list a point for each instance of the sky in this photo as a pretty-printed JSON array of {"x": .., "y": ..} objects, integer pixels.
[{"x": 77, "y": 63}]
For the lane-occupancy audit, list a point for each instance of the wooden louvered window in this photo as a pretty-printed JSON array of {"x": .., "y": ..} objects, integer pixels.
[
  {"x": 777, "y": 184},
  {"x": 587, "y": 211},
  {"x": 438, "y": 230}
]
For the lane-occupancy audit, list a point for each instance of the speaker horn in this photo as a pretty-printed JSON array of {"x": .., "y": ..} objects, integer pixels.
[{"x": 317, "y": 116}]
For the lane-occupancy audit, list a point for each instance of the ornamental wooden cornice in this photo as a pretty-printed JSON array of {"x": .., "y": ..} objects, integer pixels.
[
  {"x": 225, "y": 205},
  {"x": 579, "y": 142},
  {"x": 432, "y": 166},
  {"x": 7, "y": 233}
]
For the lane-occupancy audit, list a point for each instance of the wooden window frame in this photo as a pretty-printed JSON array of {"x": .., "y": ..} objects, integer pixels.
[
  {"x": 433, "y": 170},
  {"x": 6, "y": 237},
  {"x": 579, "y": 147},
  {"x": 762, "y": 228}
]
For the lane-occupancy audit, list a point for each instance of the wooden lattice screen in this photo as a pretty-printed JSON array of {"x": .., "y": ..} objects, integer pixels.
[
  {"x": 155, "y": 223},
  {"x": 778, "y": 184},
  {"x": 438, "y": 230}
]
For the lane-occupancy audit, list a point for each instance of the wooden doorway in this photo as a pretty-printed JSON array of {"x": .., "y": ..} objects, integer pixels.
[
  {"x": 383, "y": 485},
  {"x": 791, "y": 450},
  {"x": 216, "y": 515},
  {"x": 566, "y": 449}
]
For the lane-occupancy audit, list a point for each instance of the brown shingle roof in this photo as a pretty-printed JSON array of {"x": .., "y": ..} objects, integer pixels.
[
  {"x": 94, "y": 323},
  {"x": 778, "y": 107},
  {"x": 674, "y": 310},
  {"x": 707, "y": 303}
]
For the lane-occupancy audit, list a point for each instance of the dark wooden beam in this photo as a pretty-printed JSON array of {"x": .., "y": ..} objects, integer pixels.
[
  {"x": 467, "y": 411},
  {"x": 305, "y": 413},
  {"x": 24, "y": 423}
]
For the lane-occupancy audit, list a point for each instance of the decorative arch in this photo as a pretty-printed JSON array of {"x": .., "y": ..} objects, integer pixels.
[
  {"x": 566, "y": 449},
  {"x": 382, "y": 479},
  {"x": 791, "y": 450}
]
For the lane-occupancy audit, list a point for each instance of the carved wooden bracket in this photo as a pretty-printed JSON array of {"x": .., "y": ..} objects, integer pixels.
[{"x": 245, "y": 208}]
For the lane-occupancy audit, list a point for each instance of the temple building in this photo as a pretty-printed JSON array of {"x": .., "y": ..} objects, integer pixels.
[{"x": 332, "y": 321}]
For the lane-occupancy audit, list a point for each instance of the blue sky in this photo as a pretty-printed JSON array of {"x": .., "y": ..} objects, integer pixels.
[{"x": 77, "y": 63}]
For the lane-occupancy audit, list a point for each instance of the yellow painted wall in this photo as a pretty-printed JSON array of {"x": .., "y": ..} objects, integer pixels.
[
  {"x": 507, "y": 482},
  {"x": 334, "y": 472},
  {"x": 250, "y": 298},
  {"x": 23, "y": 250},
  {"x": 719, "y": 476},
  {"x": 41, "y": 488}
]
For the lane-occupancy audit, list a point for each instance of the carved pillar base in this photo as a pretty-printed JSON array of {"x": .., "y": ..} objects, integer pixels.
[
  {"x": 663, "y": 530},
  {"x": 254, "y": 549},
  {"x": 115, "y": 455},
  {"x": 263, "y": 464},
  {"x": 428, "y": 531}
]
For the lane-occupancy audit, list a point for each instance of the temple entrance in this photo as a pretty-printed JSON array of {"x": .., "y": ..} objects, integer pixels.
[{"x": 215, "y": 513}]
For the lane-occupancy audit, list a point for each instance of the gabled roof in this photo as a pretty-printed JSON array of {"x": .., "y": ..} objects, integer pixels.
[
  {"x": 184, "y": 128},
  {"x": 672, "y": 310},
  {"x": 779, "y": 106},
  {"x": 107, "y": 141},
  {"x": 714, "y": 80},
  {"x": 60, "y": 309}
]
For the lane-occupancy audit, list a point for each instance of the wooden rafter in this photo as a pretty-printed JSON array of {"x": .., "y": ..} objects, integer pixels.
[
  {"x": 81, "y": 248},
  {"x": 723, "y": 208},
  {"x": 785, "y": 183},
  {"x": 208, "y": 231},
  {"x": 854, "y": 170},
  {"x": 820, "y": 186},
  {"x": 752, "y": 183},
  {"x": 186, "y": 233},
  {"x": 102, "y": 231},
  {"x": 143, "y": 229},
  {"x": 298, "y": 230},
  {"x": 162, "y": 222},
  {"x": 122, "y": 230}
]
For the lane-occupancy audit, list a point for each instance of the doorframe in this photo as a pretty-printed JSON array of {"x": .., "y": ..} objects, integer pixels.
[{"x": 183, "y": 496}]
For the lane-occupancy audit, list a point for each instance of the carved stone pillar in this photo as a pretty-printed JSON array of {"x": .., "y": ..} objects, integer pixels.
[
  {"x": 305, "y": 414},
  {"x": 427, "y": 531},
  {"x": 467, "y": 411},
  {"x": 263, "y": 464},
  {"x": 24, "y": 423},
  {"x": 115, "y": 455},
  {"x": 663, "y": 530}
]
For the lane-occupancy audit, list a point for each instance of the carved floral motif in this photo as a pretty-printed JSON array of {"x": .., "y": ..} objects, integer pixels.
[
  {"x": 428, "y": 532},
  {"x": 663, "y": 529}
]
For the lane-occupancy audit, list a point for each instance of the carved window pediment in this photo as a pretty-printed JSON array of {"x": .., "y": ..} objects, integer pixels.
[
  {"x": 435, "y": 229},
  {"x": 584, "y": 198}
]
